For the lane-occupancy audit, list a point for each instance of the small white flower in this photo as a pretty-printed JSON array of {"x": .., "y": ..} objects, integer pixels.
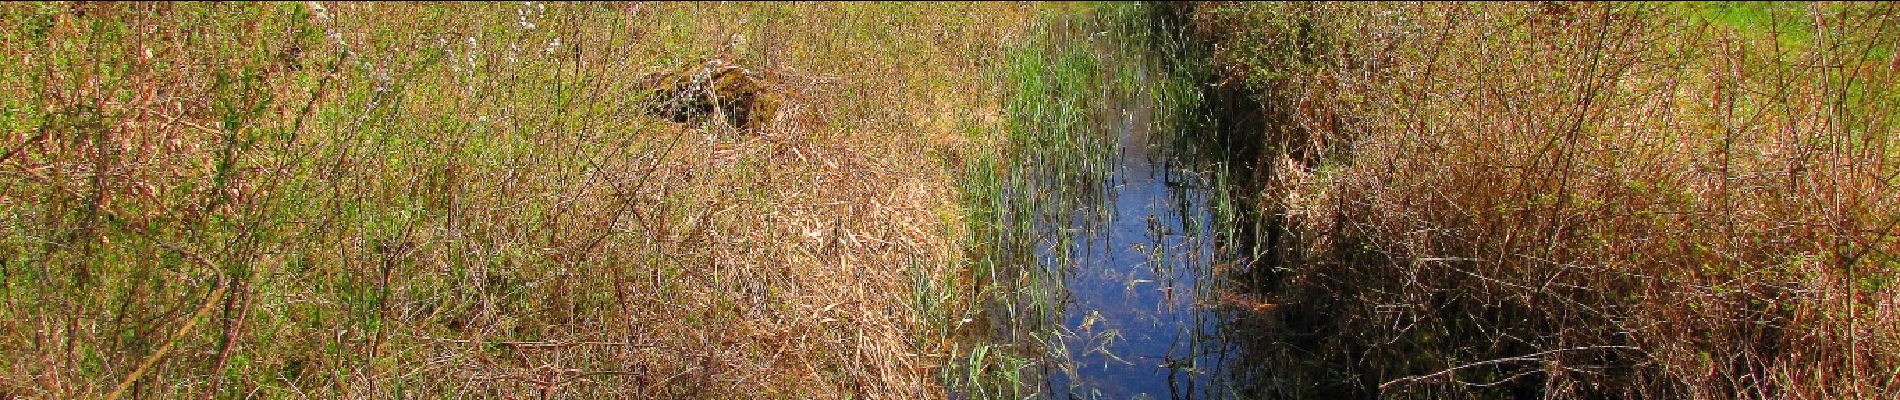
[
  {"x": 522, "y": 16},
  {"x": 322, "y": 13}
]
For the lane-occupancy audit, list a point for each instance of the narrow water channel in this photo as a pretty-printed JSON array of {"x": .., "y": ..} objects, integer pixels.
[
  {"x": 1107, "y": 269},
  {"x": 1117, "y": 264},
  {"x": 1138, "y": 313},
  {"x": 1143, "y": 308}
]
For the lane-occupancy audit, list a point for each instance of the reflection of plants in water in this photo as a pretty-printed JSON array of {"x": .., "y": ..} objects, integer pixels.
[
  {"x": 1099, "y": 344},
  {"x": 1050, "y": 193},
  {"x": 1018, "y": 198},
  {"x": 1032, "y": 199}
]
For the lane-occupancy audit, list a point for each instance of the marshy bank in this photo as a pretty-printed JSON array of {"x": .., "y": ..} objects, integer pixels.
[
  {"x": 479, "y": 200},
  {"x": 1574, "y": 200},
  {"x": 1545, "y": 200},
  {"x": 972, "y": 200}
]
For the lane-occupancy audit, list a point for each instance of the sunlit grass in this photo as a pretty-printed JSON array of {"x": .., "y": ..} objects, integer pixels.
[
  {"x": 470, "y": 200},
  {"x": 1676, "y": 199}
]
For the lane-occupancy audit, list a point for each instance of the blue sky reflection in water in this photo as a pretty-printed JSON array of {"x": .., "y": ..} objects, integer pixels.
[{"x": 1137, "y": 317}]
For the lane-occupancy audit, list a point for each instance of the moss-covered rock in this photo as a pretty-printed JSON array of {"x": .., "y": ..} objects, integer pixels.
[{"x": 741, "y": 98}]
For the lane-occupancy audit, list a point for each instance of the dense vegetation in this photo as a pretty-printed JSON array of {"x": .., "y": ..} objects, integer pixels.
[
  {"x": 469, "y": 200},
  {"x": 843, "y": 200},
  {"x": 1580, "y": 200}
]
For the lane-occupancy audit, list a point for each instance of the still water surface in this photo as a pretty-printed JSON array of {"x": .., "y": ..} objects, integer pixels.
[{"x": 1141, "y": 316}]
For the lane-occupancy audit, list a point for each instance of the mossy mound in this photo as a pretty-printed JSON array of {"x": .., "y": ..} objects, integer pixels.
[{"x": 741, "y": 98}]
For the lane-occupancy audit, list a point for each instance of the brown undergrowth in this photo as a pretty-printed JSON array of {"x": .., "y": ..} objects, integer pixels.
[
  {"x": 1582, "y": 200},
  {"x": 321, "y": 200}
]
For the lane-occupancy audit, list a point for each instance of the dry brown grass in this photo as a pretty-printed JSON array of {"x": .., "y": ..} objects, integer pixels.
[
  {"x": 465, "y": 200},
  {"x": 1700, "y": 199}
]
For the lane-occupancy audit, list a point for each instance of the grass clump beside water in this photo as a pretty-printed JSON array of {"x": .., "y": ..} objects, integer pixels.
[
  {"x": 1581, "y": 200},
  {"x": 1050, "y": 154},
  {"x": 471, "y": 200}
]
